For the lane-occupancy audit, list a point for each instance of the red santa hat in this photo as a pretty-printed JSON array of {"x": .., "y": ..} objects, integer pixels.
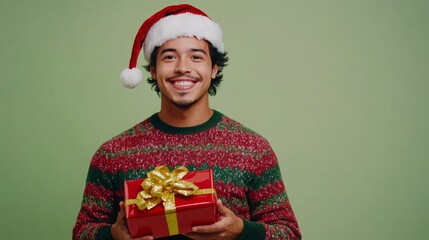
[{"x": 170, "y": 23}]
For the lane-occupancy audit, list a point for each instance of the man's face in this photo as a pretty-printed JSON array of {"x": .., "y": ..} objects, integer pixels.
[{"x": 184, "y": 71}]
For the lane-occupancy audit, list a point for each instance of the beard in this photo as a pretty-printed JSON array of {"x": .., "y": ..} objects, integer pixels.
[{"x": 183, "y": 104}]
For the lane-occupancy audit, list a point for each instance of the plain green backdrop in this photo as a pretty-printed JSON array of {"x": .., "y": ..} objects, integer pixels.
[{"x": 339, "y": 88}]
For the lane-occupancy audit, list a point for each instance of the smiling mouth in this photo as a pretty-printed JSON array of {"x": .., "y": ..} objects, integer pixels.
[
  {"x": 183, "y": 85},
  {"x": 183, "y": 82}
]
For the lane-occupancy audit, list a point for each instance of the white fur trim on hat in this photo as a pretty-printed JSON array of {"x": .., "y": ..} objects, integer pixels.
[
  {"x": 131, "y": 77},
  {"x": 183, "y": 25}
]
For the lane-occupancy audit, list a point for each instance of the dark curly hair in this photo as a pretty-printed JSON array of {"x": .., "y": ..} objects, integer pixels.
[{"x": 217, "y": 58}]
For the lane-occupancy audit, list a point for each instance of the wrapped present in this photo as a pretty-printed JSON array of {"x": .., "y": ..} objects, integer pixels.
[{"x": 169, "y": 203}]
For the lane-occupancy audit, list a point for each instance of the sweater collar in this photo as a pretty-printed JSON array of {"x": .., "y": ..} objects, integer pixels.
[{"x": 162, "y": 126}]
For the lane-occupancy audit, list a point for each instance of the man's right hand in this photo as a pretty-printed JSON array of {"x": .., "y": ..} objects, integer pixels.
[{"x": 119, "y": 228}]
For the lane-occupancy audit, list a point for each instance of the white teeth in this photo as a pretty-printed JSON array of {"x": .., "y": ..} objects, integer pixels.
[{"x": 183, "y": 83}]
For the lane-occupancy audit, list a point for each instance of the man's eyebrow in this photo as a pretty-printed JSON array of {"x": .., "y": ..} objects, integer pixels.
[
  {"x": 190, "y": 50},
  {"x": 198, "y": 50},
  {"x": 168, "y": 50}
]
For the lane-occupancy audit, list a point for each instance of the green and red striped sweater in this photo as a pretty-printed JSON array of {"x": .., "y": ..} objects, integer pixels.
[{"x": 245, "y": 169}]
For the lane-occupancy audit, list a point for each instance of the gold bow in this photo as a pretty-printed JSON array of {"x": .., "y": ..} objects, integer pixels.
[{"x": 160, "y": 186}]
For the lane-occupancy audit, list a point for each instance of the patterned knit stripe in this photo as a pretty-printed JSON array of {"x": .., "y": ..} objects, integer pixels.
[
  {"x": 286, "y": 228},
  {"x": 234, "y": 197},
  {"x": 268, "y": 196},
  {"x": 200, "y": 160},
  {"x": 169, "y": 155},
  {"x": 95, "y": 198},
  {"x": 99, "y": 203},
  {"x": 270, "y": 204},
  {"x": 88, "y": 232},
  {"x": 179, "y": 148},
  {"x": 233, "y": 126},
  {"x": 251, "y": 180},
  {"x": 279, "y": 232},
  {"x": 219, "y": 173},
  {"x": 280, "y": 212},
  {"x": 86, "y": 225},
  {"x": 141, "y": 128},
  {"x": 98, "y": 191},
  {"x": 146, "y": 127},
  {"x": 85, "y": 232},
  {"x": 267, "y": 177},
  {"x": 103, "y": 215},
  {"x": 271, "y": 175},
  {"x": 211, "y": 137},
  {"x": 271, "y": 190},
  {"x": 99, "y": 177},
  {"x": 225, "y": 123}
]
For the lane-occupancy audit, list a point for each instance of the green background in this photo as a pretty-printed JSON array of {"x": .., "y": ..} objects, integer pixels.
[{"x": 339, "y": 88}]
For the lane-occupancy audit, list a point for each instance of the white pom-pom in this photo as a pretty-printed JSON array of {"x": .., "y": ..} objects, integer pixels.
[{"x": 131, "y": 77}]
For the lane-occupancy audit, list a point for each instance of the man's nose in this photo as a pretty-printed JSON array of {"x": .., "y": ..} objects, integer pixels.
[{"x": 182, "y": 66}]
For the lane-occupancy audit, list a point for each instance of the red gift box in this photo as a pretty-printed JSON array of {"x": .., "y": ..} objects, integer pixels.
[{"x": 189, "y": 211}]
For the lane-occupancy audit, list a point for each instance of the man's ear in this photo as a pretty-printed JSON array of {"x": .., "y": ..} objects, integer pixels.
[
  {"x": 152, "y": 71},
  {"x": 215, "y": 68}
]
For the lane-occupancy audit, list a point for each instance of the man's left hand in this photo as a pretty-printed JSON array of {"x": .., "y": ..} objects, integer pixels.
[{"x": 228, "y": 227}]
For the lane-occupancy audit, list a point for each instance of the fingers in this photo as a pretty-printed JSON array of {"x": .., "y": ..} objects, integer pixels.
[
  {"x": 201, "y": 236},
  {"x": 219, "y": 225},
  {"x": 121, "y": 214},
  {"x": 122, "y": 207},
  {"x": 223, "y": 211},
  {"x": 119, "y": 228},
  {"x": 216, "y": 227},
  {"x": 228, "y": 227},
  {"x": 121, "y": 225},
  {"x": 144, "y": 238}
]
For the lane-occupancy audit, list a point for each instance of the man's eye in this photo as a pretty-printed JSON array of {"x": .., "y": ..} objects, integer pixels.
[
  {"x": 168, "y": 57},
  {"x": 197, "y": 57}
]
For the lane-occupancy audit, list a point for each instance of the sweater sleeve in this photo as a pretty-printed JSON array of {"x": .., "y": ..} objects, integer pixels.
[
  {"x": 270, "y": 209},
  {"x": 98, "y": 207}
]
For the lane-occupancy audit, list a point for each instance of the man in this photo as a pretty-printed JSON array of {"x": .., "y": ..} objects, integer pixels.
[{"x": 185, "y": 51}]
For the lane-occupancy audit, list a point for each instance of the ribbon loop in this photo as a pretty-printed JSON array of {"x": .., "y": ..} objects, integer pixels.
[{"x": 160, "y": 186}]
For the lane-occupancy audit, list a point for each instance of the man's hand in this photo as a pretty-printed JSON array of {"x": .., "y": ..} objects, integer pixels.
[
  {"x": 228, "y": 227},
  {"x": 119, "y": 228}
]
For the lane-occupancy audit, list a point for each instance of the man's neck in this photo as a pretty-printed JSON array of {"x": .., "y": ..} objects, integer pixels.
[{"x": 185, "y": 117}]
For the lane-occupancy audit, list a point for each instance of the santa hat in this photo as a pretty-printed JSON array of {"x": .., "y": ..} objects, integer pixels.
[{"x": 170, "y": 23}]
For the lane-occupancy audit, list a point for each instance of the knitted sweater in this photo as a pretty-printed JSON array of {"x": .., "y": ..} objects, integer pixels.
[{"x": 246, "y": 174}]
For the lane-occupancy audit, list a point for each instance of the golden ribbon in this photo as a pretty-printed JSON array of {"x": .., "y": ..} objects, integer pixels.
[{"x": 160, "y": 186}]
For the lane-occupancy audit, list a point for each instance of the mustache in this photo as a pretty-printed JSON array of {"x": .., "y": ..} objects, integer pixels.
[{"x": 183, "y": 76}]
